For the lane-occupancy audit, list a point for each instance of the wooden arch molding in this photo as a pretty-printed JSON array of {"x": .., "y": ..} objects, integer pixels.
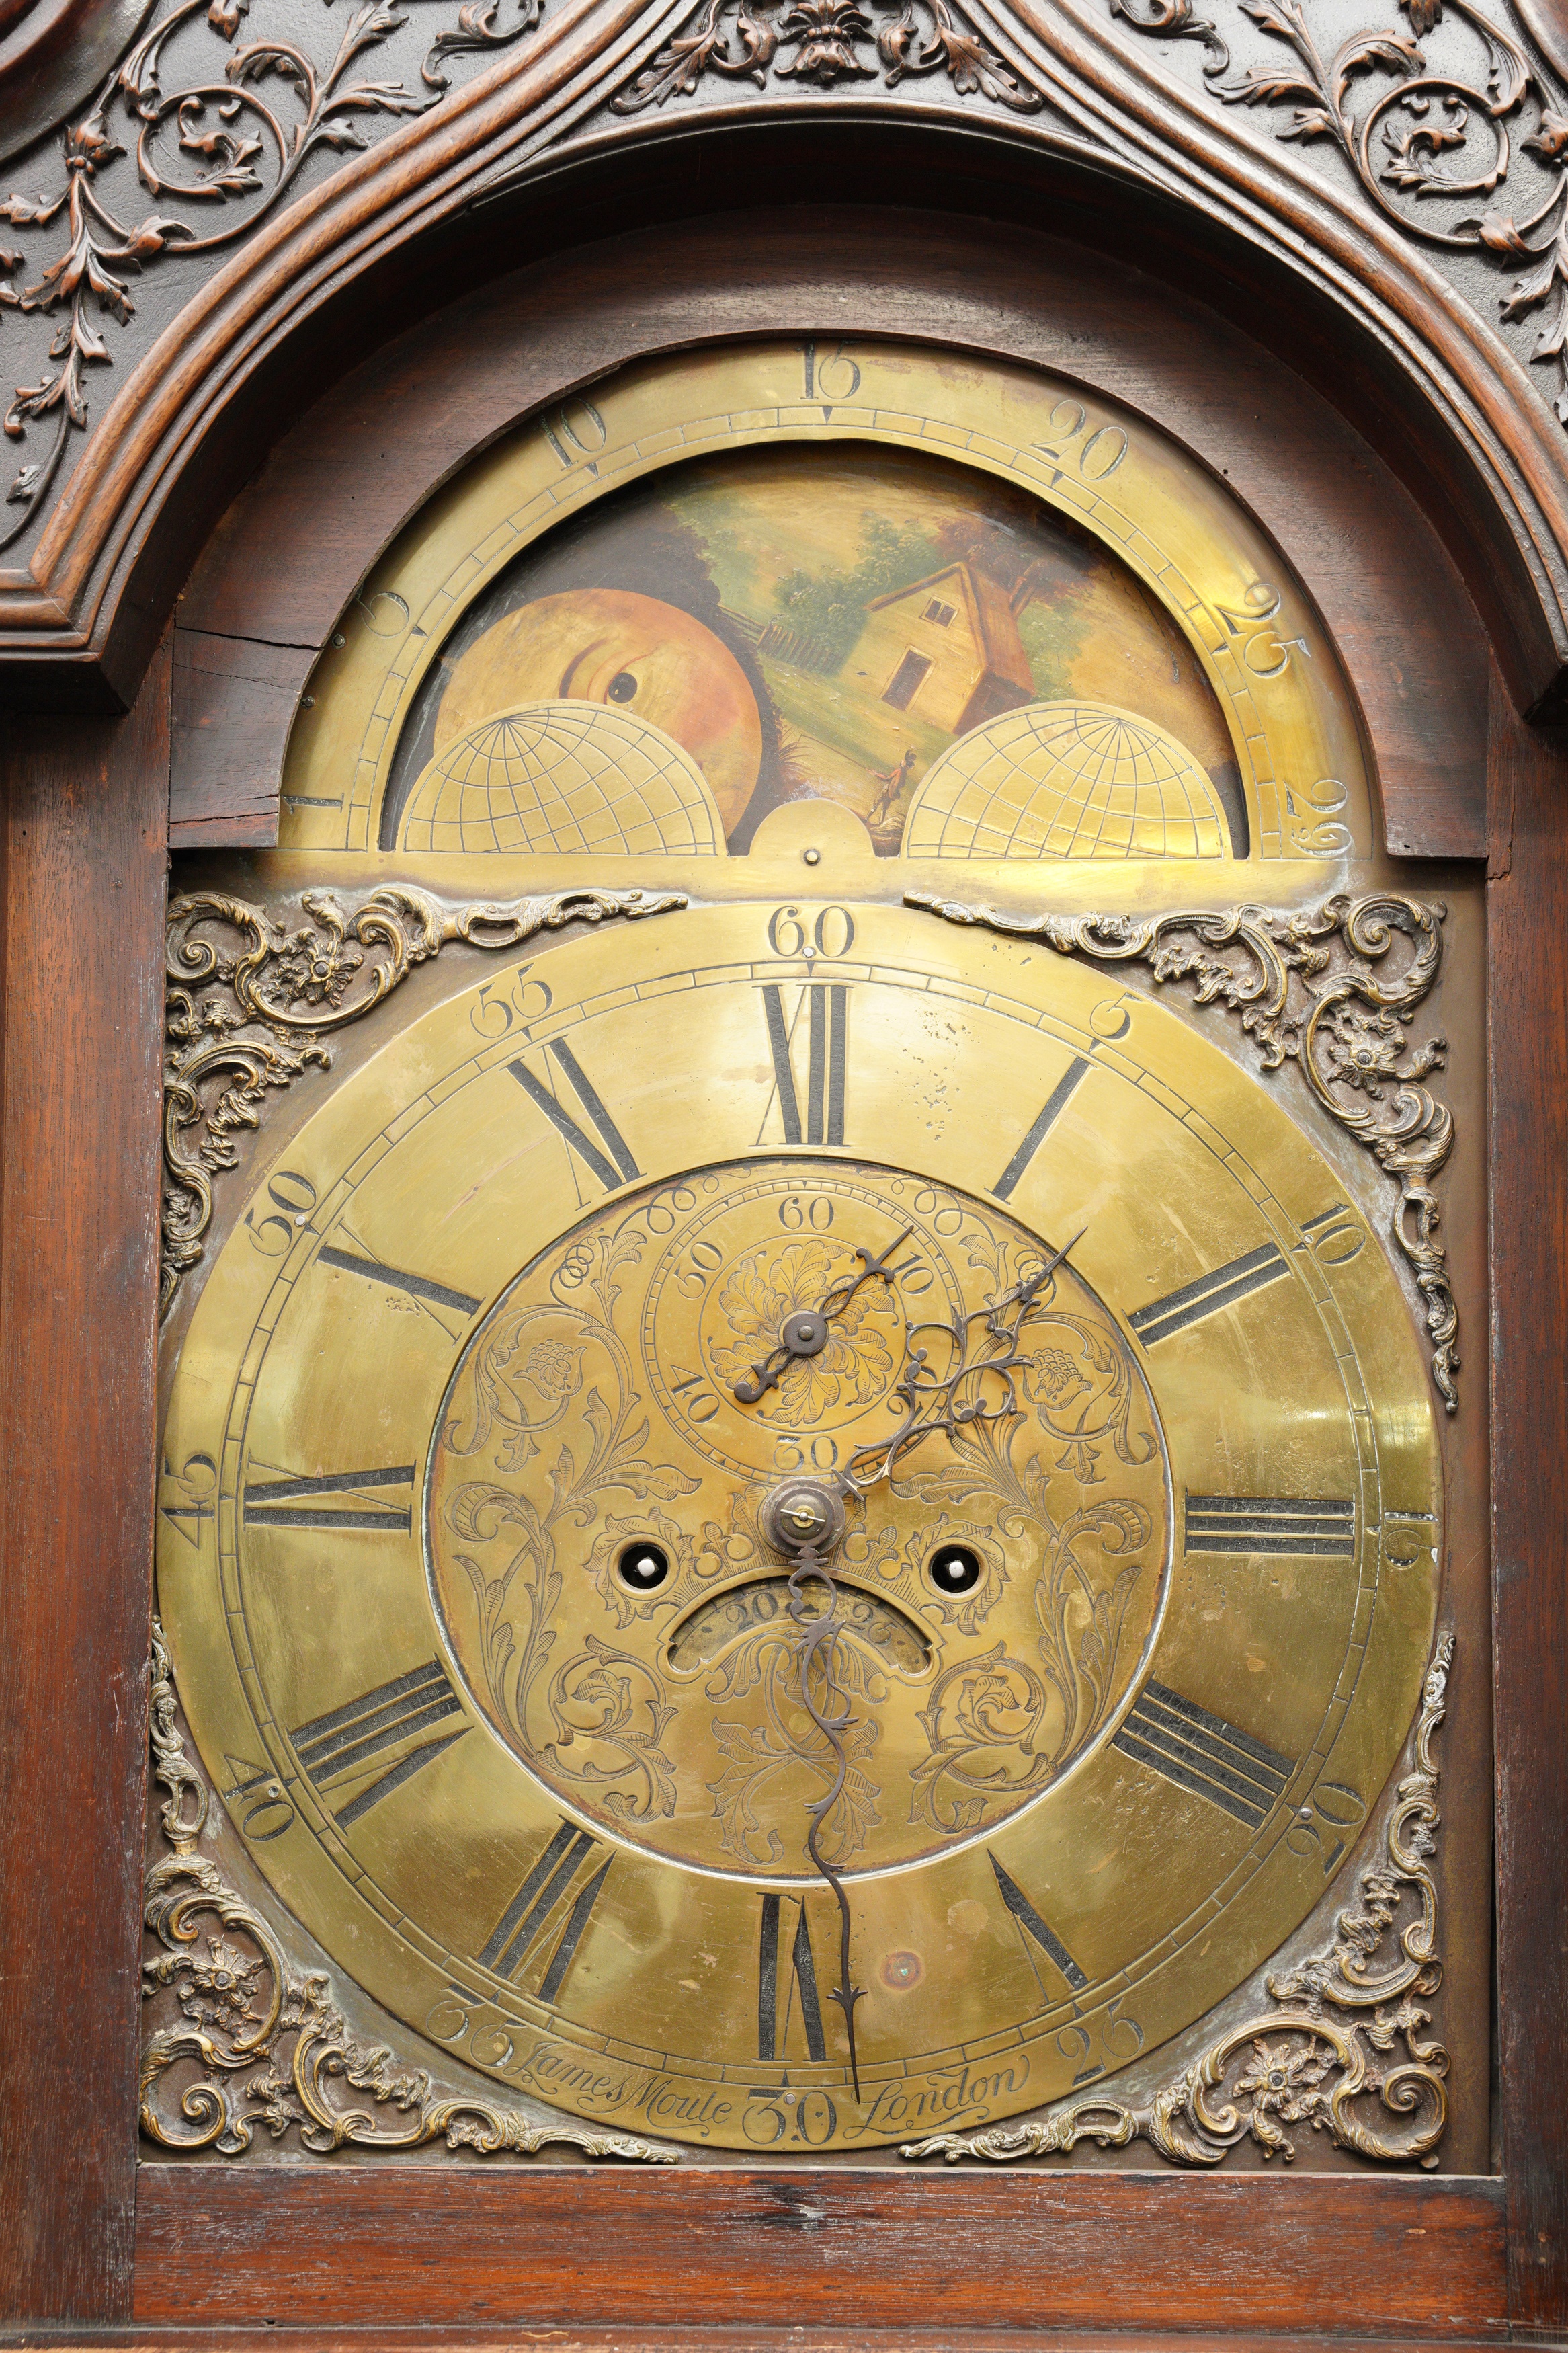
[{"x": 1121, "y": 121}]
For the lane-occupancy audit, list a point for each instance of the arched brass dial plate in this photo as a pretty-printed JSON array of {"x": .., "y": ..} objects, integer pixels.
[{"x": 468, "y": 1362}]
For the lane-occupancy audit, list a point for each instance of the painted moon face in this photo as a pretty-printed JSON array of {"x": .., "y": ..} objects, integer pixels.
[{"x": 604, "y": 644}]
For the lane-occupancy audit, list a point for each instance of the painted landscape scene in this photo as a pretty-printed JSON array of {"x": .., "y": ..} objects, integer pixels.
[{"x": 817, "y": 621}]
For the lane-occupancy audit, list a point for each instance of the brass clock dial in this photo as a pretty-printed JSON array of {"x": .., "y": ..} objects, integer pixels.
[{"x": 1119, "y": 1594}]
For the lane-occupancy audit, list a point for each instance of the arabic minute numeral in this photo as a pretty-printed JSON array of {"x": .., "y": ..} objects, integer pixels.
[
  {"x": 829, "y": 375},
  {"x": 194, "y": 1488},
  {"x": 1248, "y": 627},
  {"x": 1115, "y": 2037},
  {"x": 1090, "y": 454},
  {"x": 509, "y": 1002},
  {"x": 1334, "y": 1237},
  {"x": 266, "y": 1811},
  {"x": 575, "y": 431},
  {"x": 830, "y": 933},
  {"x": 703, "y": 1260},
  {"x": 293, "y": 1197},
  {"x": 1324, "y": 1824},
  {"x": 693, "y": 1394}
]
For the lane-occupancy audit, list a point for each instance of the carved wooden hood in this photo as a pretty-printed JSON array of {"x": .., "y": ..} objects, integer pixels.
[{"x": 201, "y": 232}]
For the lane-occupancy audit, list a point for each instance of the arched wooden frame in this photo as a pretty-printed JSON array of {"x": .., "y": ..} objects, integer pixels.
[
  {"x": 1120, "y": 136},
  {"x": 266, "y": 598},
  {"x": 1454, "y": 2260}
]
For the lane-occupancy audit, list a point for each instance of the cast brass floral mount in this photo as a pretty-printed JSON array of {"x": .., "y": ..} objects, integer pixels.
[
  {"x": 1324, "y": 2050},
  {"x": 270, "y": 2046},
  {"x": 1313, "y": 989},
  {"x": 250, "y": 997}
]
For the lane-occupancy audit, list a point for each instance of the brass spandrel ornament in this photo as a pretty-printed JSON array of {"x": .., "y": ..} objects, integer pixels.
[{"x": 815, "y": 1533}]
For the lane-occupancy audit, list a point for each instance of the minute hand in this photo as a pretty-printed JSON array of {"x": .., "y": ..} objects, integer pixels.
[
  {"x": 805, "y": 1333},
  {"x": 953, "y": 1399}
]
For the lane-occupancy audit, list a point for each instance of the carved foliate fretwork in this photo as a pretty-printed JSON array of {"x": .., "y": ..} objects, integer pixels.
[
  {"x": 1434, "y": 106},
  {"x": 212, "y": 122},
  {"x": 825, "y": 42}
]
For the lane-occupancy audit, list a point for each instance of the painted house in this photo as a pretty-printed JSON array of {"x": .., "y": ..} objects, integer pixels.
[{"x": 946, "y": 649}]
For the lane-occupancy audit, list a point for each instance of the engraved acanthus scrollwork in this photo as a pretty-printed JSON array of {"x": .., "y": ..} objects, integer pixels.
[
  {"x": 753, "y": 1305},
  {"x": 1312, "y": 988},
  {"x": 270, "y": 2048},
  {"x": 606, "y": 1711},
  {"x": 250, "y": 998},
  {"x": 1332, "y": 2043},
  {"x": 1416, "y": 133},
  {"x": 830, "y": 41},
  {"x": 232, "y": 148}
]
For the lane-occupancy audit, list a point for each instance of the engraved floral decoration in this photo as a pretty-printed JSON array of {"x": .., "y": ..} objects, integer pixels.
[
  {"x": 825, "y": 42},
  {"x": 983, "y": 1723},
  {"x": 549, "y": 1397},
  {"x": 250, "y": 995},
  {"x": 753, "y": 1305},
  {"x": 1417, "y": 135},
  {"x": 260, "y": 2045},
  {"x": 223, "y": 146},
  {"x": 1349, "y": 2028},
  {"x": 783, "y": 1743},
  {"x": 1312, "y": 988}
]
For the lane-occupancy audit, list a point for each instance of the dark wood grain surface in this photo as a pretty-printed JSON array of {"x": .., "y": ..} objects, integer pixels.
[
  {"x": 1528, "y": 992},
  {"x": 84, "y": 816},
  {"x": 1122, "y": 133},
  {"x": 929, "y": 2250}
]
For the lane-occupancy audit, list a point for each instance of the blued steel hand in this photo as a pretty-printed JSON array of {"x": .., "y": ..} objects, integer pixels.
[
  {"x": 805, "y": 1333},
  {"x": 953, "y": 1399},
  {"x": 819, "y": 1647},
  {"x": 805, "y": 1517}
]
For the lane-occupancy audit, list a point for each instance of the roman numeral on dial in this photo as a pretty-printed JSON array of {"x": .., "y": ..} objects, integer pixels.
[
  {"x": 1050, "y": 1111},
  {"x": 826, "y": 1007},
  {"x": 1212, "y": 1291},
  {"x": 288, "y": 1502},
  {"x": 524, "y": 1922},
  {"x": 1028, "y": 1919},
  {"x": 771, "y": 2032},
  {"x": 395, "y": 1278},
  {"x": 1322, "y": 1527},
  {"x": 614, "y": 1166},
  {"x": 340, "y": 1745},
  {"x": 1200, "y": 1751}
]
